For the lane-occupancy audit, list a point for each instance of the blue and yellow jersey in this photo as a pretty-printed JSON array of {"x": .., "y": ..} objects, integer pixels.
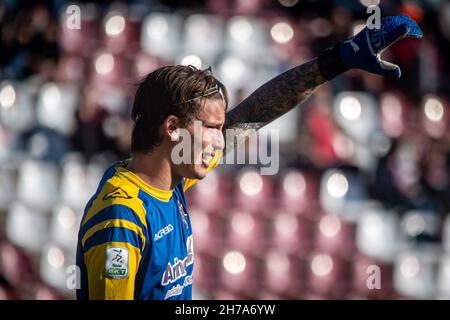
[{"x": 135, "y": 241}]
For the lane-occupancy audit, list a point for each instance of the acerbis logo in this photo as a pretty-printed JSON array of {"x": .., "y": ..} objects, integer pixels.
[{"x": 164, "y": 231}]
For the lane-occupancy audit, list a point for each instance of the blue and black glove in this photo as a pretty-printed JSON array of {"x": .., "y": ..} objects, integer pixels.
[{"x": 363, "y": 50}]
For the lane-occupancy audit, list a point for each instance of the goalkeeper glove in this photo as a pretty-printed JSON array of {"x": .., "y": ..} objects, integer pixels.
[{"x": 363, "y": 50}]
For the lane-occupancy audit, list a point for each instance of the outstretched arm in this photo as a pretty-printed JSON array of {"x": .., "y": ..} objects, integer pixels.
[
  {"x": 272, "y": 100},
  {"x": 291, "y": 88}
]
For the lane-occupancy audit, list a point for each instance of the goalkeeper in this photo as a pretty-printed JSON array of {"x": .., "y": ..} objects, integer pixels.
[{"x": 135, "y": 238}]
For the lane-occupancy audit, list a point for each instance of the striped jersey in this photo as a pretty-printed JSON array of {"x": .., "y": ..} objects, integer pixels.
[{"x": 135, "y": 241}]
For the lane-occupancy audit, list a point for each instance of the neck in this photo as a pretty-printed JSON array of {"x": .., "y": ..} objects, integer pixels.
[{"x": 155, "y": 169}]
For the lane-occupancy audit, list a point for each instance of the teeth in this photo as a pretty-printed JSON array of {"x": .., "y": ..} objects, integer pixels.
[{"x": 207, "y": 157}]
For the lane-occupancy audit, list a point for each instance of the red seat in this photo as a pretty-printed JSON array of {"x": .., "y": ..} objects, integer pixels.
[
  {"x": 254, "y": 191},
  {"x": 213, "y": 193},
  {"x": 239, "y": 273},
  {"x": 297, "y": 192},
  {"x": 327, "y": 275},
  {"x": 16, "y": 265},
  {"x": 290, "y": 233},
  {"x": 364, "y": 270},
  {"x": 205, "y": 275},
  {"x": 334, "y": 236},
  {"x": 246, "y": 232},
  {"x": 207, "y": 230},
  {"x": 120, "y": 34},
  {"x": 284, "y": 274}
]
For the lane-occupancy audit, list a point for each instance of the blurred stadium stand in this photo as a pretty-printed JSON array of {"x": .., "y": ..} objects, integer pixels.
[{"x": 364, "y": 164}]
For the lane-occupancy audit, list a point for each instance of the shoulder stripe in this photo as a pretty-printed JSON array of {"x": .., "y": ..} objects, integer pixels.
[
  {"x": 116, "y": 211},
  {"x": 107, "y": 198},
  {"x": 113, "y": 234},
  {"x": 114, "y": 223}
]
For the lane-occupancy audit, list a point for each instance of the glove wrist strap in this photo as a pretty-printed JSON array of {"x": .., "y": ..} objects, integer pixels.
[{"x": 330, "y": 63}]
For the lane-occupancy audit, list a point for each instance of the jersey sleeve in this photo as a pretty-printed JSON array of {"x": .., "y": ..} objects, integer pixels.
[
  {"x": 112, "y": 242},
  {"x": 214, "y": 163}
]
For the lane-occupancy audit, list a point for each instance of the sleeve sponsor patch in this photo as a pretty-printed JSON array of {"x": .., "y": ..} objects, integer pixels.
[{"x": 117, "y": 259}]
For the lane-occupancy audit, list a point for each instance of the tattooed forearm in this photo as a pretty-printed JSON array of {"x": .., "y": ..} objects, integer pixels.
[{"x": 273, "y": 99}]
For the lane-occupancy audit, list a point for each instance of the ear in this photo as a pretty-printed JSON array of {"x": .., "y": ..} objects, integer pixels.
[{"x": 171, "y": 128}]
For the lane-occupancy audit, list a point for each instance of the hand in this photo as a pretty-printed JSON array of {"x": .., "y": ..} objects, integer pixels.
[{"x": 363, "y": 50}]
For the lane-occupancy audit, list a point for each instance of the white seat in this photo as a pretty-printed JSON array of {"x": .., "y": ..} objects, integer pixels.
[
  {"x": 56, "y": 267},
  {"x": 378, "y": 235},
  {"x": 342, "y": 193},
  {"x": 16, "y": 106},
  {"x": 78, "y": 182},
  {"x": 415, "y": 272},
  {"x": 443, "y": 277},
  {"x": 26, "y": 227},
  {"x": 7, "y": 187},
  {"x": 247, "y": 37},
  {"x": 203, "y": 35},
  {"x": 37, "y": 184},
  {"x": 415, "y": 223},
  {"x": 160, "y": 34},
  {"x": 56, "y": 107},
  {"x": 446, "y": 234},
  {"x": 64, "y": 226}
]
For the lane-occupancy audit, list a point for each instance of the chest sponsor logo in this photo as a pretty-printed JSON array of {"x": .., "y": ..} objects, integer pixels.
[{"x": 177, "y": 270}]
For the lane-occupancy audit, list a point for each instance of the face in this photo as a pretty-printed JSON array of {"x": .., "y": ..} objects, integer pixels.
[{"x": 206, "y": 139}]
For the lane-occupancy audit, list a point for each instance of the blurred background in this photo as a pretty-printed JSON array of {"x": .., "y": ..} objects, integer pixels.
[{"x": 364, "y": 180}]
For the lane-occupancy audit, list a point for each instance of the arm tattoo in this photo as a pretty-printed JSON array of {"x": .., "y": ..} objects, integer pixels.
[{"x": 272, "y": 100}]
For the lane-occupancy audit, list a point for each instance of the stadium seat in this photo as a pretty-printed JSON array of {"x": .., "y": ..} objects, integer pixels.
[
  {"x": 205, "y": 274},
  {"x": 239, "y": 273},
  {"x": 38, "y": 184},
  {"x": 203, "y": 36},
  {"x": 207, "y": 230},
  {"x": 7, "y": 187},
  {"x": 284, "y": 274},
  {"x": 120, "y": 34},
  {"x": 54, "y": 264},
  {"x": 56, "y": 107},
  {"x": 107, "y": 68},
  {"x": 26, "y": 227},
  {"x": 378, "y": 235},
  {"x": 246, "y": 37},
  {"x": 290, "y": 233},
  {"x": 82, "y": 39},
  {"x": 16, "y": 106},
  {"x": 64, "y": 226},
  {"x": 253, "y": 190},
  {"x": 213, "y": 194},
  {"x": 414, "y": 272},
  {"x": 246, "y": 232},
  {"x": 42, "y": 291},
  {"x": 335, "y": 236},
  {"x": 342, "y": 193},
  {"x": 371, "y": 279},
  {"x": 435, "y": 116},
  {"x": 78, "y": 181},
  {"x": 421, "y": 225},
  {"x": 446, "y": 234},
  {"x": 161, "y": 34},
  {"x": 16, "y": 266},
  {"x": 443, "y": 277},
  {"x": 327, "y": 275},
  {"x": 298, "y": 191}
]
